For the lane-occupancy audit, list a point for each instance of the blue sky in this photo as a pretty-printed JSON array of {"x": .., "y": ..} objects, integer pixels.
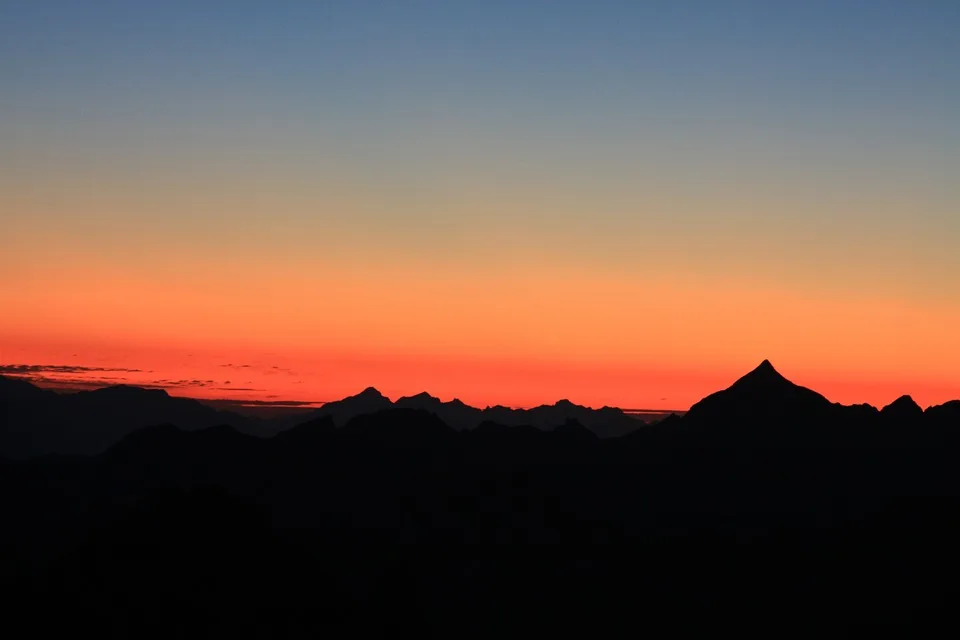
[{"x": 720, "y": 106}]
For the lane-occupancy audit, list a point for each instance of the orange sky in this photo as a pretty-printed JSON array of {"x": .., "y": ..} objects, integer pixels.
[{"x": 516, "y": 335}]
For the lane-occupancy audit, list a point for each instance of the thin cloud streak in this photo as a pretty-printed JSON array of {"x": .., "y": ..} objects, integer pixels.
[{"x": 27, "y": 369}]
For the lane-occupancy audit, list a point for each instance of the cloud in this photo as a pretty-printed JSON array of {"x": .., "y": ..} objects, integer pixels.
[
  {"x": 275, "y": 371},
  {"x": 233, "y": 404},
  {"x": 176, "y": 383},
  {"x": 185, "y": 383},
  {"x": 275, "y": 403},
  {"x": 69, "y": 377},
  {"x": 67, "y": 383},
  {"x": 29, "y": 369},
  {"x": 271, "y": 370}
]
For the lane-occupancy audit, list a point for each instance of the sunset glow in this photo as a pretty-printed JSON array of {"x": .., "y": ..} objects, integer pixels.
[{"x": 527, "y": 208}]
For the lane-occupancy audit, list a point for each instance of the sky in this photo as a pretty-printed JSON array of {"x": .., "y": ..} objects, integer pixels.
[{"x": 614, "y": 202}]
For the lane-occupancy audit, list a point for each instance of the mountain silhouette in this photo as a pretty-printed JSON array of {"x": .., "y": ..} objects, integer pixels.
[
  {"x": 573, "y": 429},
  {"x": 765, "y": 508},
  {"x": 400, "y": 427},
  {"x": 36, "y": 422},
  {"x": 15, "y": 390},
  {"x": 455, "y": 413},
  {"x": 341, "y": 411},
  {"x": 762, "y": 396},
  {"x": 944, "y": 414},
  {"x": 606, "y": 422},
  {"x": 309, "y": 431},
  {"x": 902, "y": 409}
]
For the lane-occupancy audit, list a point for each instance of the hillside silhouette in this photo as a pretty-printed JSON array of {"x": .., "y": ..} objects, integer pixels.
[
  {"x": 36, "y": 421},
  {"x": 605, "y": 422},
  {"x": 766, "y": 510}
]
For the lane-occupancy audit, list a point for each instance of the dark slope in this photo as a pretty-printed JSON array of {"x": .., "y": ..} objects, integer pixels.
[
  {"x": 211, "y": 530},
  {"x": 726, "y": 526},
  {"x": 944, "y": 414},
  {"x": 17, "y": 390},
  {"x": 34, "y": 421},
  {"x": 308, "y": 432}
]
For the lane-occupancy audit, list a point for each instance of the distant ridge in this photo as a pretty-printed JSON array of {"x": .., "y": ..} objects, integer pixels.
[
  {"x": 367, "y": 401},
  {"x": 607, "y": 422}
]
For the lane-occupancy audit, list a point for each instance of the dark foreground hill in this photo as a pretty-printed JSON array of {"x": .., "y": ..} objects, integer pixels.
[{"x": 819, "y": 519}]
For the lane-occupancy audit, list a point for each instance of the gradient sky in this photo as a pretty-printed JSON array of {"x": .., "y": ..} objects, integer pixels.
[{"x": 510, "y": 202}]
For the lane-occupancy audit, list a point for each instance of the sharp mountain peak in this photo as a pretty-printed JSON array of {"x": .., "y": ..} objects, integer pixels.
[
  {"x": 423, "y": 395},
  {"x": 903, "y": 405},
  {"x": 764, "y": 371}
]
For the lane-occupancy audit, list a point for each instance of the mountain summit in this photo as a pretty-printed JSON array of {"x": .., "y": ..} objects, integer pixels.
[
  {"x": 765, "y": 377},
  {"x": 763, "y": 395},
  {"x": 370, "y": 393},
  {"x": 367, "y": 401},
  {"x": 420, "y": 400},
  {"x": 903, "y": 408}
]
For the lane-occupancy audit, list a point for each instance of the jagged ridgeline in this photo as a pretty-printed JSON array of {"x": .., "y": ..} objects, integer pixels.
[{"x": 41, "y": 422}]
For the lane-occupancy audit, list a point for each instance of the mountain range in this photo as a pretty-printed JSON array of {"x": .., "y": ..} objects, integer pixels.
[
  {"x": 35, "y": 421},
  {"x": 606, "y": 422},
  {"x": 764, "y": 510}
]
